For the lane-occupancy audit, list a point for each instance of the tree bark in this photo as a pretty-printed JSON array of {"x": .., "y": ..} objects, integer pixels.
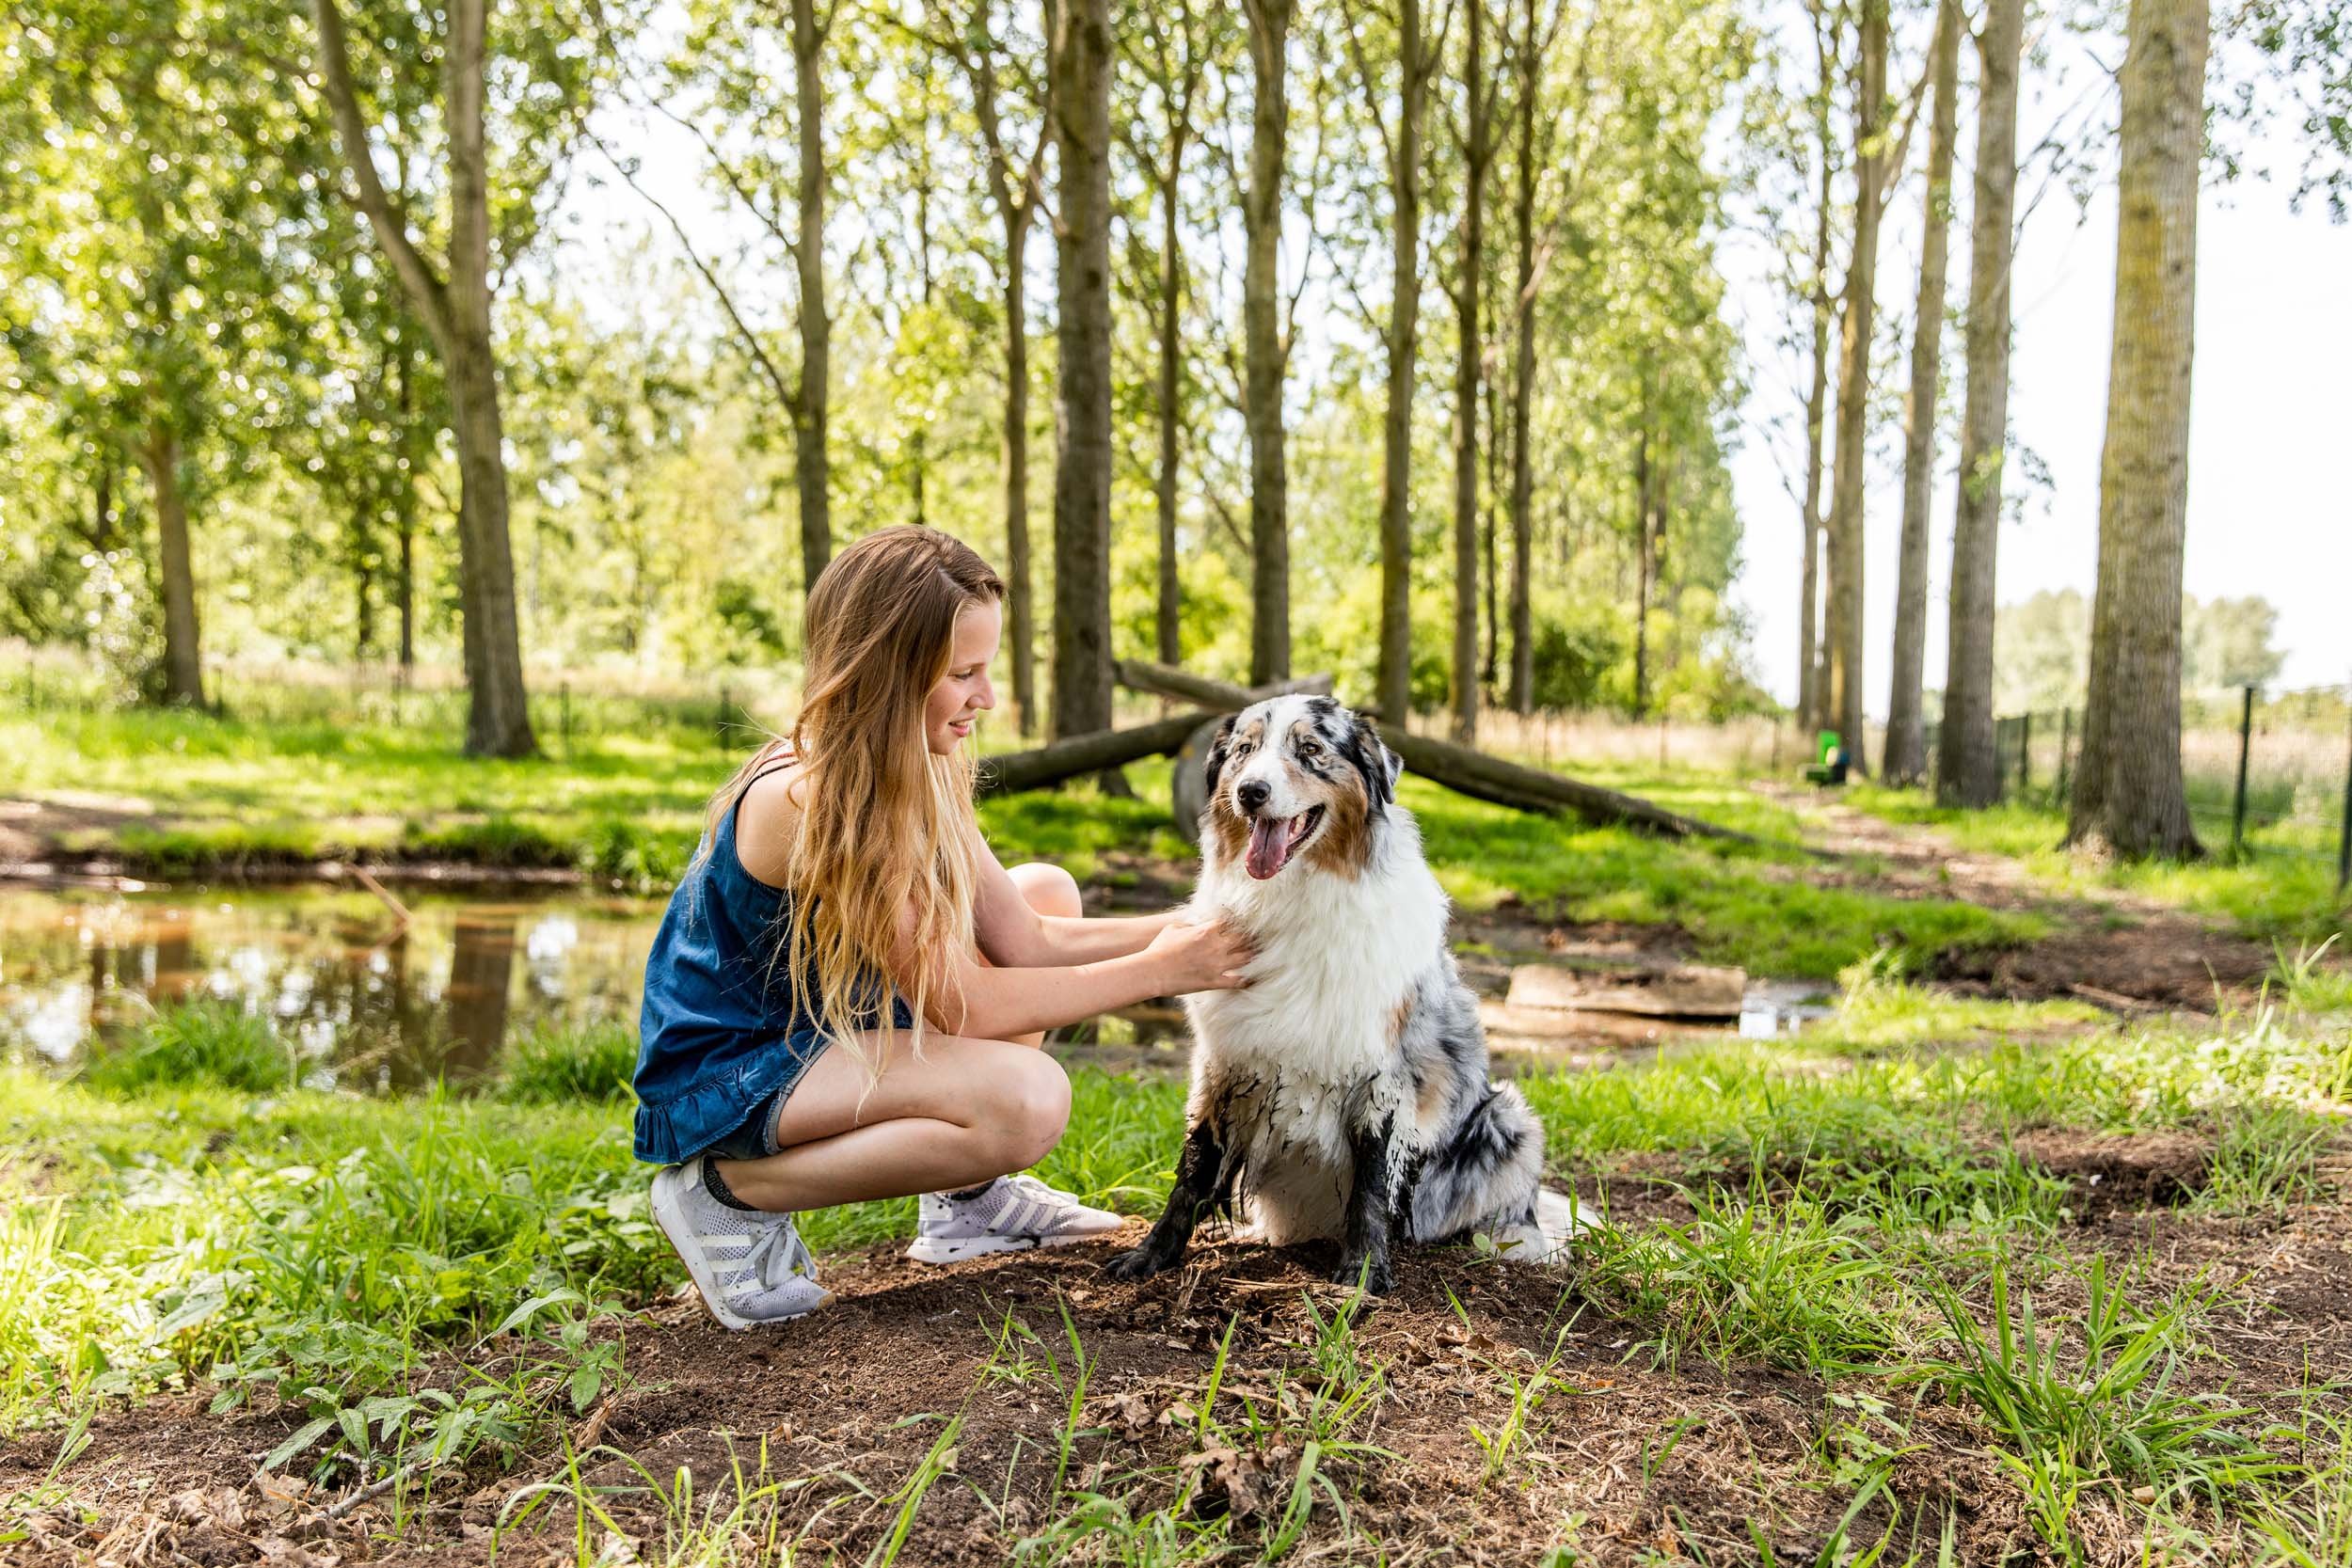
[
  {"x": 1263, "y": 351},
  {"x": 1967, "y": 763},
  {"x": 1017, "y": 211},
  {"x": 1169, "y": 625},
  {"x": 811, "y": 475},
  {"x": 183, "y": 665},
  {"x": 1416, "y": 61},
  {"x": 1492, "y": 629},
  {"x": 456, "y": 311},
  {"x": 1645, "y": 558},
  {"x": 1522, "y": 685},
  {"x": 1476, "y": 150},
  {"x": 1845, "y": 629},
  {"x": 1905, "y": 760},
  {"x": 2128, "y": 798},
  {"x": 1081, "y": 69},
  {"x": 1811, "y": 698}
]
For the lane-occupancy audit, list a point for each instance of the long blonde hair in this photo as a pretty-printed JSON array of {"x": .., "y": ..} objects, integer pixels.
[{"x": 885, "y": 825}]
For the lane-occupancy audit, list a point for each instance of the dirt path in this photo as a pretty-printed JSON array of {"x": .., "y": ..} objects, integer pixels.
[{"x": 2105, "y": 946}]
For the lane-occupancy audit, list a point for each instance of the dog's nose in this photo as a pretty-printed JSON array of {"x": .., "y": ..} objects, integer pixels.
[{"x": 1251, "y": 792}]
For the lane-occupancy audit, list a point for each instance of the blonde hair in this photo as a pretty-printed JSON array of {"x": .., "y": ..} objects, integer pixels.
[{"x": 885, "y": 826}]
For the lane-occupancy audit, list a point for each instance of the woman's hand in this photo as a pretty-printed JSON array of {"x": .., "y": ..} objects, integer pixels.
[{"x": 1200, "y": 958}]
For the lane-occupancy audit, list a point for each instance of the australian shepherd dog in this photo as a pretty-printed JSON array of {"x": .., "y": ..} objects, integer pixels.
[{"x": 1345, "y": 1092}]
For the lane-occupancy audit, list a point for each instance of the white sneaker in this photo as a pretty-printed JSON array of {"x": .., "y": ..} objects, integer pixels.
[
  {"x": 1011, "y": 1214},
  {"x": 752, "y": 1267}
]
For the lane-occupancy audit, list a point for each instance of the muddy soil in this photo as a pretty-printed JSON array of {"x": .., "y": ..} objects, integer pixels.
[{"x": 1652, "y": 1463}]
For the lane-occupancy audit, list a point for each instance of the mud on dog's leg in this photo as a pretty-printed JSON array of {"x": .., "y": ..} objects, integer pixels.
[
  {"x": 1371, "y": 1209},
  {"x": 1203, "y": 1184}
]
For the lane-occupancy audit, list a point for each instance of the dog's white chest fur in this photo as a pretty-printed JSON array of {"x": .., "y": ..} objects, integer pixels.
[{"x": 1310, "y": 1046}]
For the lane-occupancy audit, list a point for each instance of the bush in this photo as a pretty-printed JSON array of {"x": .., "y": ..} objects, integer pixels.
[
  {"x": 593, "y": 1063},
  {"x": 203, "y": 1042}
]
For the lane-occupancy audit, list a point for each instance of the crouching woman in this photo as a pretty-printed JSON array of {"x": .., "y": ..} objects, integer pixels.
[{"x": 846, "y": 998}]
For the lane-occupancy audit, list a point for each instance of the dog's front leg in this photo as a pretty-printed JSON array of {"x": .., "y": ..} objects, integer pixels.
[
  {"x": 1371, "y": 1209},
  {"x": 1201, "y": 1186}
]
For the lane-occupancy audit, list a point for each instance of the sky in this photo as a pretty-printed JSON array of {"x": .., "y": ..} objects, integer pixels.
[{"x": 2270, "y": 421}]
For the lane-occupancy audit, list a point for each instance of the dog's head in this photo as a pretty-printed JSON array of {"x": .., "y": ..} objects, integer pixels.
[{"x": 1297, "y": 777}]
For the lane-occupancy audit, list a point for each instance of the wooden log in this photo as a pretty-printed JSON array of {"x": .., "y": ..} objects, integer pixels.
[
  {"x": 1164, "y": 680},
  {"x": 1689, "y": 990},
  {"x": 1458, "y": 768},
  {"x": 1081, "y": 755}
]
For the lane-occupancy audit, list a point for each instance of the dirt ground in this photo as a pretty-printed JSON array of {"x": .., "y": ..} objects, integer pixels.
[{"x": 1649, "y": 1462}]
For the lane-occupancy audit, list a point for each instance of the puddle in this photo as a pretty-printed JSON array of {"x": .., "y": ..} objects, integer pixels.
[
  {"x": 1774, "y": 1007},
  {"x": 369, "y": 1005}
]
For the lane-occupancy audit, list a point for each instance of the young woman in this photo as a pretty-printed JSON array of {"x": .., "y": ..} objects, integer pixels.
[{"x": 846, "y": 997}]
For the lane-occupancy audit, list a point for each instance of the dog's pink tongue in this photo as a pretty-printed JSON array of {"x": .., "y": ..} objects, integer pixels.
[{"x": 1269, "y": 847}]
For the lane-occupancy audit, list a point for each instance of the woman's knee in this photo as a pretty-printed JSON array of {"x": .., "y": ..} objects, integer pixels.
[
  {"x": 1029, "y": 1110},
  {"x": 1048, "y": 889}
]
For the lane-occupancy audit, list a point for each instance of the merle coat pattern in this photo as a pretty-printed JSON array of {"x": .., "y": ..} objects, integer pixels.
[{"x": 1345, "y": 1092}]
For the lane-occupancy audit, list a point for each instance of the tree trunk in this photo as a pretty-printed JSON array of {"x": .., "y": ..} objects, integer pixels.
[
  {"x": 1905, "y": 761},
  {"x": 404, "y": 510},
  {"x": 1018, "y": 579},
  {"x": 1396, "y": 423},
  {"x": 1645, "y": 479},
  {"x": 1811, "y": 697},
  {"x": 1967, "y": 763},
  {"x": 2128, "y": 798},
  {"x": 183, "y": 665},
  {"x": 1493, "y": 580},
  {"x": 1081, "y": 69},
  {"x": 1465, "y": 671},
  {"x": 1853, "y": 391},
  {"x": 1171, "y": 297},
  {"x": 810, "y": 471},
  {"x": 498, "y": 715},
  {"x": 1262, "y": 349},
  {"x": 1522, "y": 687}
]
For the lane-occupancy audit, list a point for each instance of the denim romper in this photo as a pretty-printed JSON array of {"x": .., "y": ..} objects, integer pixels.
[{"x": 719, "y": 1044}]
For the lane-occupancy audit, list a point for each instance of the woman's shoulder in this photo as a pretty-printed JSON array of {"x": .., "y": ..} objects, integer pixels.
[{"x": 768, "y": 821}]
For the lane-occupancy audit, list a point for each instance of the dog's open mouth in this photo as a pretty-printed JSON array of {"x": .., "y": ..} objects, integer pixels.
[{"x": 1273, "y": 839}]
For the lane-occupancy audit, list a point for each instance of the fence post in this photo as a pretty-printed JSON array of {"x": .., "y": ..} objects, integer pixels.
[
  {"x": 726, "y": 700},
  {"x": 2343, "y": 844},
  {"x": 2066, "y": 743},
  {"x": 2244, "y": 745},
  {"x": 2025, "y": 754},
  {"x": 567, "y": 702}
]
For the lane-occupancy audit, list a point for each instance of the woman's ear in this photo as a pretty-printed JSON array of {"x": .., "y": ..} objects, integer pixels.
[{"x": 1218, "y": 749}]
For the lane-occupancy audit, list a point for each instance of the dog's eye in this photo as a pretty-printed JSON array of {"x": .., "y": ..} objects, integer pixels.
[{"x": 1310, "y": 749}]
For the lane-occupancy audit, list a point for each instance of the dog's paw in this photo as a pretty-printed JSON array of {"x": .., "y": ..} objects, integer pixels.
[
  {"x": 1372, "y": 1273},
  {"x": 1135, "y": 1263}
]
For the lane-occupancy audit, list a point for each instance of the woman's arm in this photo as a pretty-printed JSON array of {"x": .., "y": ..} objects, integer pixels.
[
  {"x": 967, "y": 996},
  {"x": 1014, "y": 936}
]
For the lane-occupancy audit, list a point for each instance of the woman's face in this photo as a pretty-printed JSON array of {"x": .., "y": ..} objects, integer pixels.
[{"x": 963, "y": 691}]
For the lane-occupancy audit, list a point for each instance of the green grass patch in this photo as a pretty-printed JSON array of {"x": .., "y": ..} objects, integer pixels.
[
  {"x": 568, "y": 1061},
  {"x": 205, "y": 1044},
  {"x": 2283, "y": 888}
]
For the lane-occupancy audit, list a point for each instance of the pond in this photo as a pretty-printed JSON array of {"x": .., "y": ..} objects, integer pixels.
[{"x": 369, "y": 1002}]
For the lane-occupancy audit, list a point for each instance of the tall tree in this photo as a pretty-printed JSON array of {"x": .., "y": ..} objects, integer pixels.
[
  {"x": 1266, "y": 349},
  {"x": 2128, "y": 798},
  {"x": 1081, "y": 70},
  {"x": 811, "y": 471},
  {"x": 1905, "y": 760},
  {"x": 453, "y": 300},
  {"x": 1522, "y": 694},
  {"x": 1475, "y": 134},
  {"x": 1173, "y": 52},
  {"x": 1016, "y": 188},
  {"x": 1967, "y": 765},
  {"x": 1418, "y": 53},
  {"x": 1843, "y": 704},
  {"x": 1827, "y": 33}
]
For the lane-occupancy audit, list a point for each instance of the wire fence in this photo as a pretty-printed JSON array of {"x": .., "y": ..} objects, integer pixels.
[{"x": 2266, "y": 773}]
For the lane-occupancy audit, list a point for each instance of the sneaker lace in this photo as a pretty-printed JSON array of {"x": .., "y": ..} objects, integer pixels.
[
  {"x": 1035, "y": 1188},
  {"x": 778, "y": 1255}
]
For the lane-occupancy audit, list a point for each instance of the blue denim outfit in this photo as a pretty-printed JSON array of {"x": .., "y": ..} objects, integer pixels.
[{"x": 720, "y": 1043}]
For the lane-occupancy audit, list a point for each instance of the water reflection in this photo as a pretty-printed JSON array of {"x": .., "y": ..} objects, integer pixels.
[{"x": 371, "y": 1001}]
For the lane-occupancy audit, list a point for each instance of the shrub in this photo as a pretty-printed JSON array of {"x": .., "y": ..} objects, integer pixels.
[
  {"x": 592, "y": 1062},
  {"x": 203, "y": 1042}
]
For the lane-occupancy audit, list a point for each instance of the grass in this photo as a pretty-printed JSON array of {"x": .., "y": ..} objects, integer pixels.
[
  {"x": 427, "y": 1287},
  {"x": 2284, "y": 888}
]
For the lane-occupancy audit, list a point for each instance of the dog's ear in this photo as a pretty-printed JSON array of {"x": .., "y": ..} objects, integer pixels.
[
  {"x": 1218, "y": 748},
  {"x": 1374, "y": 761}
]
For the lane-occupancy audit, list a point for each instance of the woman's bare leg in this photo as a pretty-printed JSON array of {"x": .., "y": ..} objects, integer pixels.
[{"x": 969, "y": 1111}]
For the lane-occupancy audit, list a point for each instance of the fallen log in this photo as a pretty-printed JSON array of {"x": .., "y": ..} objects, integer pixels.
[
  {"x": 1165, "y": 680},
  {"x": 1458, "y": 768},
  {"x": 1081, "y": 755}
]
